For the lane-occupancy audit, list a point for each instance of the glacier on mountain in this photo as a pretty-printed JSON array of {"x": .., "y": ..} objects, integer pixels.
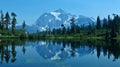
[{"x": 56, "y": 15}]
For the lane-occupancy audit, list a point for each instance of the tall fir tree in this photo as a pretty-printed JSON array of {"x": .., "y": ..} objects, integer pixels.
[
  {"x": 2, "y": 21},
  {"x": 73, "y": 26},
  {"x": 63, "y": 29},
  {"x": 7, "y": 20},
  {"x": 23, "y": 25},
  {"x": 109, "y": 22},
  {"x": 14, "y": 21},
  {"x": 98, "y": 26},
  {"x": 105, "y": 23}
]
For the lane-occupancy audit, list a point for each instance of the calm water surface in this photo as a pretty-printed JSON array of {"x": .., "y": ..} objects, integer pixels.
[{"x": 46, "y": 53}]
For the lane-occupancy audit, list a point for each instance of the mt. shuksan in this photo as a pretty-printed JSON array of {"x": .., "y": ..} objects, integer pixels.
[
  {"x": 53, "y": 19},
  {"x": 56, "y": 18}
]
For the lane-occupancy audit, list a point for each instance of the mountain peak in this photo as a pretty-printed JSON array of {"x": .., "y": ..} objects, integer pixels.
[
  {"x": 60, "y": 10},
  {"x": 55, "y": 18}
]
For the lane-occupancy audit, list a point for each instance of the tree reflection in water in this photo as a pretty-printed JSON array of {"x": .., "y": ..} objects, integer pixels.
[
  {"x": 108, "y": 48},
  {"x": 7, "y": 50}
]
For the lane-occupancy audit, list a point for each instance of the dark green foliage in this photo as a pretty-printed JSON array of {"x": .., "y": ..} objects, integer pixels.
[
  {"x": 53, "y": 31},
  {"x": 14, "y": 21},
  {"x": 116, "y": 23},
  {"x": 7, "y": 26},
  {"x": 77, "y": 29},
  {"x": 90, "y": 29},
  {"x": 109, "y": 29},
  {"x": 23, "y": 25},
  {"x": 7, "y": 20},
  {"x": 105, "y": 23},
  {"x": 107, "y": 35},
  {"x": 109, "y": 22},
  {"x": 73, "y": 25},
  {"x": 98, "y": 25},
  {"x": 2, "y": 21},
  {"x": 68, "y": 30},
  {"x": 63, "y": 29},
  {"x": 13, "y": 14}
]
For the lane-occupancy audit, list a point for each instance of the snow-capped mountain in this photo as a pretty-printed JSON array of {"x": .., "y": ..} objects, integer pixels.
[
  {"x": 56, "y": 18},
  {"x": 53, "y": 19}
]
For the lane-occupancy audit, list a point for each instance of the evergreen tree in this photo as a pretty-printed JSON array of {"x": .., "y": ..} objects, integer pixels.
[
  {"x": 105, "y": 23},
  {"x": 113, "y": 28},
  {"x": 2, "y": 21},
  {"x": 53, "y": 31},
  {"x": 116, "y": 22},
  {"x": 82, "y": 27},
  {"x": 77, "y": 29},
  {"x": 93, "y": 28},
  {"x": 68, "y": 30},
  {"x": 13, "y": 14},
  {"x": 23, "y": 25},
  {"x": 58, "y": 31},
  {"x": 98, "y": 26},
  {"x": 14, "y": 21},
  {"x": 63, "y": 29},
  {"x": 7, "y": 20},
  {"x": 73, "y": 26},
  {"x": 109, "y": 22},
  {"x": 107, "y": 35},
  {"x": 89, "y": 28}
]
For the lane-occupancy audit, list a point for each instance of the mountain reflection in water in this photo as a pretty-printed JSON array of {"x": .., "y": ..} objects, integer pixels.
[{"x": 58, "y": 50}]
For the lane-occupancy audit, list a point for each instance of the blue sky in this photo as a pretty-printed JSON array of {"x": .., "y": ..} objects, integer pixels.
[{"x": 30, "y": 10}]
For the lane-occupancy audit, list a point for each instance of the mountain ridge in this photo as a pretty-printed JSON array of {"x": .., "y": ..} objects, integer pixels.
[{"x": 54, "y": 19}]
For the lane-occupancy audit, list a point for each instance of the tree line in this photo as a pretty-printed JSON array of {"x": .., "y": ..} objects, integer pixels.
[
  {"x": 8, "y": 23},
  {"x": 108, "y": 28}
]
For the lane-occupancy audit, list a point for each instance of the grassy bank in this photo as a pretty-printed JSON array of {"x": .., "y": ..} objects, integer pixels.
[
  {"x": 64, "y": 37},
  {"x": 9, "y": 37}
]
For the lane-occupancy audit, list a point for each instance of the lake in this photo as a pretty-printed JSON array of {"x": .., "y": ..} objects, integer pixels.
[{"x": 59, "y": 53}]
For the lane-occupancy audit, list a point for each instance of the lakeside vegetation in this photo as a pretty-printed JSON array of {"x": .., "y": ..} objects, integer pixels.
[
  {"x": 108, "y": 28},
  {"x": 8, "y": 26},
  {"x": 75, "y": 36}
]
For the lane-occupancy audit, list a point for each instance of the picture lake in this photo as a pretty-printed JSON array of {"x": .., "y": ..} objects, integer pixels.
[{"x": 59, "y": 53}]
